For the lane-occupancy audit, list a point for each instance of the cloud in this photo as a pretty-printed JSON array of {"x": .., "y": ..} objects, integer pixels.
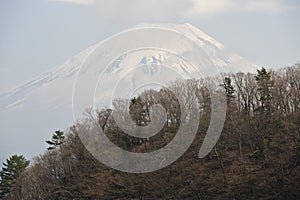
[
  {"x": 204, "y": 8},
  {"x": 178, "y": 9},
  {"x": 267, "y": 5},
  {"x": 79, "y": 2},
  {"x": 142, "y": 10}
]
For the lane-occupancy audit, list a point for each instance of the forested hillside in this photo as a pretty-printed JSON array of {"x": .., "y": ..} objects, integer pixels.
[{"x": 257, "y": 156}]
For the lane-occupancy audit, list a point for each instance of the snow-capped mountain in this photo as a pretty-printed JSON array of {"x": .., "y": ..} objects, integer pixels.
[{"x": 44, "y": 104}]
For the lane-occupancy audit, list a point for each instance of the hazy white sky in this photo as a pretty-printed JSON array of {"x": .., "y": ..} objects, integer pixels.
[{"x": 36, "y": 35}]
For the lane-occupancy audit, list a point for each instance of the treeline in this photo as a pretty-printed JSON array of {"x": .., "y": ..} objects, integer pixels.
[{"x": 257, "y": 156}]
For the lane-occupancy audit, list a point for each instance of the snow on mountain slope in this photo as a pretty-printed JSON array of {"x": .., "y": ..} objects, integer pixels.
[
  {"x": 32, "y": 111},
  {"x": 45, "y": 80},
  {"x": 64, "y": 75}
]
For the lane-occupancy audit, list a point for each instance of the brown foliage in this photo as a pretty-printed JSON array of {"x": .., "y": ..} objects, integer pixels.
[{"x": 255, "y": 158}]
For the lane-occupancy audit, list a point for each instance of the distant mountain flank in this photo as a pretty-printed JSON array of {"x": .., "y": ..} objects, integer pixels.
[{"x": 50, "y": 94}]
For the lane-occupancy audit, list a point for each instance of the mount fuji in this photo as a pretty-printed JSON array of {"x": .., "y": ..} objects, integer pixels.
[{"x": 31, "y": 112}]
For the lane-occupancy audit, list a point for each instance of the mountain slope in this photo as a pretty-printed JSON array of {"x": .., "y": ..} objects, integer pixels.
[{"x": 30, "y": 112}]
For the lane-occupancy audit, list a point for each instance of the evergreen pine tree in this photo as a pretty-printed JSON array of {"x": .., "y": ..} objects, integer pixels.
[
  {"x": 229, "y": 89},
  {"x": 265, "y": 84},
  {"x": 57, "y": 140},
  {"x": 12, "y": 169}
]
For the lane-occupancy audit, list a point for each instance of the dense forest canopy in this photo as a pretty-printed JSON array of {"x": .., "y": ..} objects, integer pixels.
[{"x": 257, "y": 156}]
